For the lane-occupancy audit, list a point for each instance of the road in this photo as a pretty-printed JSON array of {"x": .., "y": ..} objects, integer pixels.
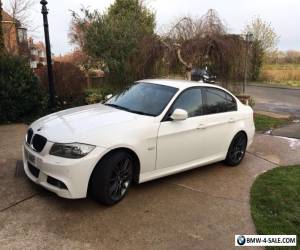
[{"x": 277, "y": 100}]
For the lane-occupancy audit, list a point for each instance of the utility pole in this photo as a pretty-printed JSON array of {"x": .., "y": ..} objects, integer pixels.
[
  {"x": 48, "y": 55},
  {"x": 249, "y": 37}
]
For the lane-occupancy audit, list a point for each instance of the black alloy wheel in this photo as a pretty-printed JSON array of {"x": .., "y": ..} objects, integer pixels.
[
  {"x": 120, "y": 179},
  {"x": 112, "y": 177},
  {"x": 237, "y": 149}
]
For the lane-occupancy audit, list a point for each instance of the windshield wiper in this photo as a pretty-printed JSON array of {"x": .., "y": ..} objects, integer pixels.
[{"x": 127, "y": 109}]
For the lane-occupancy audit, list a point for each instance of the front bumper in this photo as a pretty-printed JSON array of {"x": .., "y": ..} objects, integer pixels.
[{"x": 68, "y": 178}]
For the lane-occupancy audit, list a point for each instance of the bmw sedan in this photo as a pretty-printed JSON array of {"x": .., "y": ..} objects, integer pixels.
[{"x": 152, "y": 129}]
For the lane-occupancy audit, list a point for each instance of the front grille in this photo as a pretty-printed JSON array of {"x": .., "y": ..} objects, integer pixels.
[
  {"x": 56, "y": 182},
  {"x": 38, "y": 142},
  {"x": 33, "y": 170},
  {"x": 29, "y": 135}
]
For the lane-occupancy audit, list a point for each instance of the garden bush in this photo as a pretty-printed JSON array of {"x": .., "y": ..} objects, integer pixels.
[
  {"x": 21, "y": 96},
  {"x": 97, "y": 95},
  {"x": 69, "y": 81}
]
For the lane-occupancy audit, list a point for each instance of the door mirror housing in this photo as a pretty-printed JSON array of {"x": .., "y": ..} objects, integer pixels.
[
  {"x": 179, "y": 115},
  {"x": 108, "y": 97}
]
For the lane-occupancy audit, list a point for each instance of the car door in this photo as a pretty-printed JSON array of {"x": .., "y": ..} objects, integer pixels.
[
  {"x": 180, "y": 142},
  {"x": 219, "y": 110}
]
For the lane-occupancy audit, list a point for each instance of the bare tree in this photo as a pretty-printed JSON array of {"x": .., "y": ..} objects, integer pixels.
[
  {"x": 265, "y": 41},
  {"x": 19, "y": 10}
]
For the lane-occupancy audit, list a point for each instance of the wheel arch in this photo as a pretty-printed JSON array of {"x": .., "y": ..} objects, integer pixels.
[
  {"x": 136, "y": 169},
  {"x": 244, "y": 132}
]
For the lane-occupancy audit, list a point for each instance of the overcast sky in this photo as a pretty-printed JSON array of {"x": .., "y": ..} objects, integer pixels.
[{"x": 283, "y": 14}]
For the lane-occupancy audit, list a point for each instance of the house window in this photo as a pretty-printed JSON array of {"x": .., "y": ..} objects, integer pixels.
[
  {"x": 22, "y": 35},
  {"x": 34, "y": 52}
]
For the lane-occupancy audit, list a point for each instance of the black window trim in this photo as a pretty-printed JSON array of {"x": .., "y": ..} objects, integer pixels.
[
  {"x": 168, "y": 113},
  {"x": 205, "y": 100}
]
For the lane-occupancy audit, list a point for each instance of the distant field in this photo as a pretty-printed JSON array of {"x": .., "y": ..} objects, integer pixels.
[{"x": 283, "y": 74}]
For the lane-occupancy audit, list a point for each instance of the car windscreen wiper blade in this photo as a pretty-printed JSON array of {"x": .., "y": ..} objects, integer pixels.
[
  {"x": 140, "y": 112},
  {"x": 115, "y": 106},
  {"x": 127, "y": 109}
]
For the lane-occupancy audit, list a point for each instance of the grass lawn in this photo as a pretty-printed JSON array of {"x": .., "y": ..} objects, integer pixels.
[
  {"x": 264, "y": 123},
  {"x": 275, "y": 203}
]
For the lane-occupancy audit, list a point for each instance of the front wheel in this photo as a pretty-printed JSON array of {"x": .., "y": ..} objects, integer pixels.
[
  {"x": 111, "y": 178},
  {"x": 237, "y": 149}
]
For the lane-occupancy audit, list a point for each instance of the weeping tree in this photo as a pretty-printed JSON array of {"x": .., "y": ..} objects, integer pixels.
[{"x": 204, "y": 42}]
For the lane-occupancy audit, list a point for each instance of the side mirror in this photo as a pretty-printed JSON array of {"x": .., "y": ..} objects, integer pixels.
[
  {"x": 108, "y": 96},
  {"x": 179, "y": 115}
]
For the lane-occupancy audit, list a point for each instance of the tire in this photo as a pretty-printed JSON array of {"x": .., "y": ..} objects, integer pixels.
[
  {"x": 237, "y": 149},
  {"x": 111, "y": 178}
]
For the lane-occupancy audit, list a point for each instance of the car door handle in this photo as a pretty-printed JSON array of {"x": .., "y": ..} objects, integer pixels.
[
  {"x": 231, "y": 120},
  {"x": 201, "y": 126}
]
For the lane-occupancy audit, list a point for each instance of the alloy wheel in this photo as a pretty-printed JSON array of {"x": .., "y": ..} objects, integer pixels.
[
  {"x": 238, "y": 149},
  {"x": 120, "y": 179}
]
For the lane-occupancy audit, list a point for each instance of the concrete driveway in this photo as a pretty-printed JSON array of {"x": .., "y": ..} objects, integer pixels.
[{"x": 199, "y": 209}]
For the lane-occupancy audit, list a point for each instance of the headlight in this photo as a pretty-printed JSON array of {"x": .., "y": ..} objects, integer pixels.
[{"x": 71, "y": 150}]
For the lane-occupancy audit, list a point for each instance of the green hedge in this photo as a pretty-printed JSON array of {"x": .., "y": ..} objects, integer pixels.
[{"x": 21, "y": 96}]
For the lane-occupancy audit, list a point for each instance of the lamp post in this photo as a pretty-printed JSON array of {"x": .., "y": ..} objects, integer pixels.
[
  {"x": 48, "y": 54},
  {"x": 249, "y": 37}
]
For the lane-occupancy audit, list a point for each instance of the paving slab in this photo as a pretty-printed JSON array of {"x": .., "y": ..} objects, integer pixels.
[
  {"x": 278, "y": 150},
  {"x": 11, "y": 138},
  {"x": 13, "y": 189}
]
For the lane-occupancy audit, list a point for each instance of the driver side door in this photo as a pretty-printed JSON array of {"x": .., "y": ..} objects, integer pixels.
[{"x": 180, "y": 142}]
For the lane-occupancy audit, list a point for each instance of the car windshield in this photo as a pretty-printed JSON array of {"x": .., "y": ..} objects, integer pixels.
[{"x": 143, "y": 98}]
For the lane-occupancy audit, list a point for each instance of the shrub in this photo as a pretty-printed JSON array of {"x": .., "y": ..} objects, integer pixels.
[
  {"x": 69, "y": 81},
  {"x": 96, "y": 95},
  {"x": 21, "y": 96}
]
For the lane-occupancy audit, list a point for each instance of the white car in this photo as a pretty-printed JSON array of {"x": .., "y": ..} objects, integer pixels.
[{"x": 152, "y": 129}]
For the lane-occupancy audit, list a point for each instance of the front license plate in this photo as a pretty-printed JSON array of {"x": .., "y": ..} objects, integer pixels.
[{"x": 30, "y": 157}]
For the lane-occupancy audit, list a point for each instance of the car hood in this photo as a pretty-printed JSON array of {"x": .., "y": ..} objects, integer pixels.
[{"x": 81, "y": 124}]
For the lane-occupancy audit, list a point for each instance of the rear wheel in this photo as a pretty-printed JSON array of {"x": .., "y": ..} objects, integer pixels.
[
  {"x": 111, "y": 178},
  {"x": 237, "y": 149}
]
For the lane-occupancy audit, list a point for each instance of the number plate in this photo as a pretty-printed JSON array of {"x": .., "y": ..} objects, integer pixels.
[{"x": 30, "y": 157}]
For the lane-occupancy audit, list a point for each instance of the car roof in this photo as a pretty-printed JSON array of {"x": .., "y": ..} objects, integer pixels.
[{"x": 180, "y": 84}]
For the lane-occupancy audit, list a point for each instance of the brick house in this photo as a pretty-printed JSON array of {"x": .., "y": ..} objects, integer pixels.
[
  {"x": 15, "y": 36},
  {"x": 37, "y": 54}
]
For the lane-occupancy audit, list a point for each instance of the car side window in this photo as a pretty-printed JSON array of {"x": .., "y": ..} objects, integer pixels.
[
  {"x": 191, "y": 101},
  {"x": 231, "y": 103},
  {"x": 218, "y": 101}
]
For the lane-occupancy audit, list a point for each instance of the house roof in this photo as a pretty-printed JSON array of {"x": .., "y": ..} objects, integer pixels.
[{"x": 6, "y": 17}]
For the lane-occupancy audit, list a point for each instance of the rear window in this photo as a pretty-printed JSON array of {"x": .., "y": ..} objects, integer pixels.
[{"x": 218, "y": 101}]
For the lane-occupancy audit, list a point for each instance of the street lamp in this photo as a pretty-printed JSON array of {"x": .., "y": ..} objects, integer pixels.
[
  {"x": 249, "y": 38},
  {"x": 48, "y": 54}
]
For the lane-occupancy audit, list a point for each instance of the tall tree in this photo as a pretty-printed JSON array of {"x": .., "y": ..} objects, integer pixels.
[
  {"x": 265, "y": 41},
  {"x": 117, "y": 37}
]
